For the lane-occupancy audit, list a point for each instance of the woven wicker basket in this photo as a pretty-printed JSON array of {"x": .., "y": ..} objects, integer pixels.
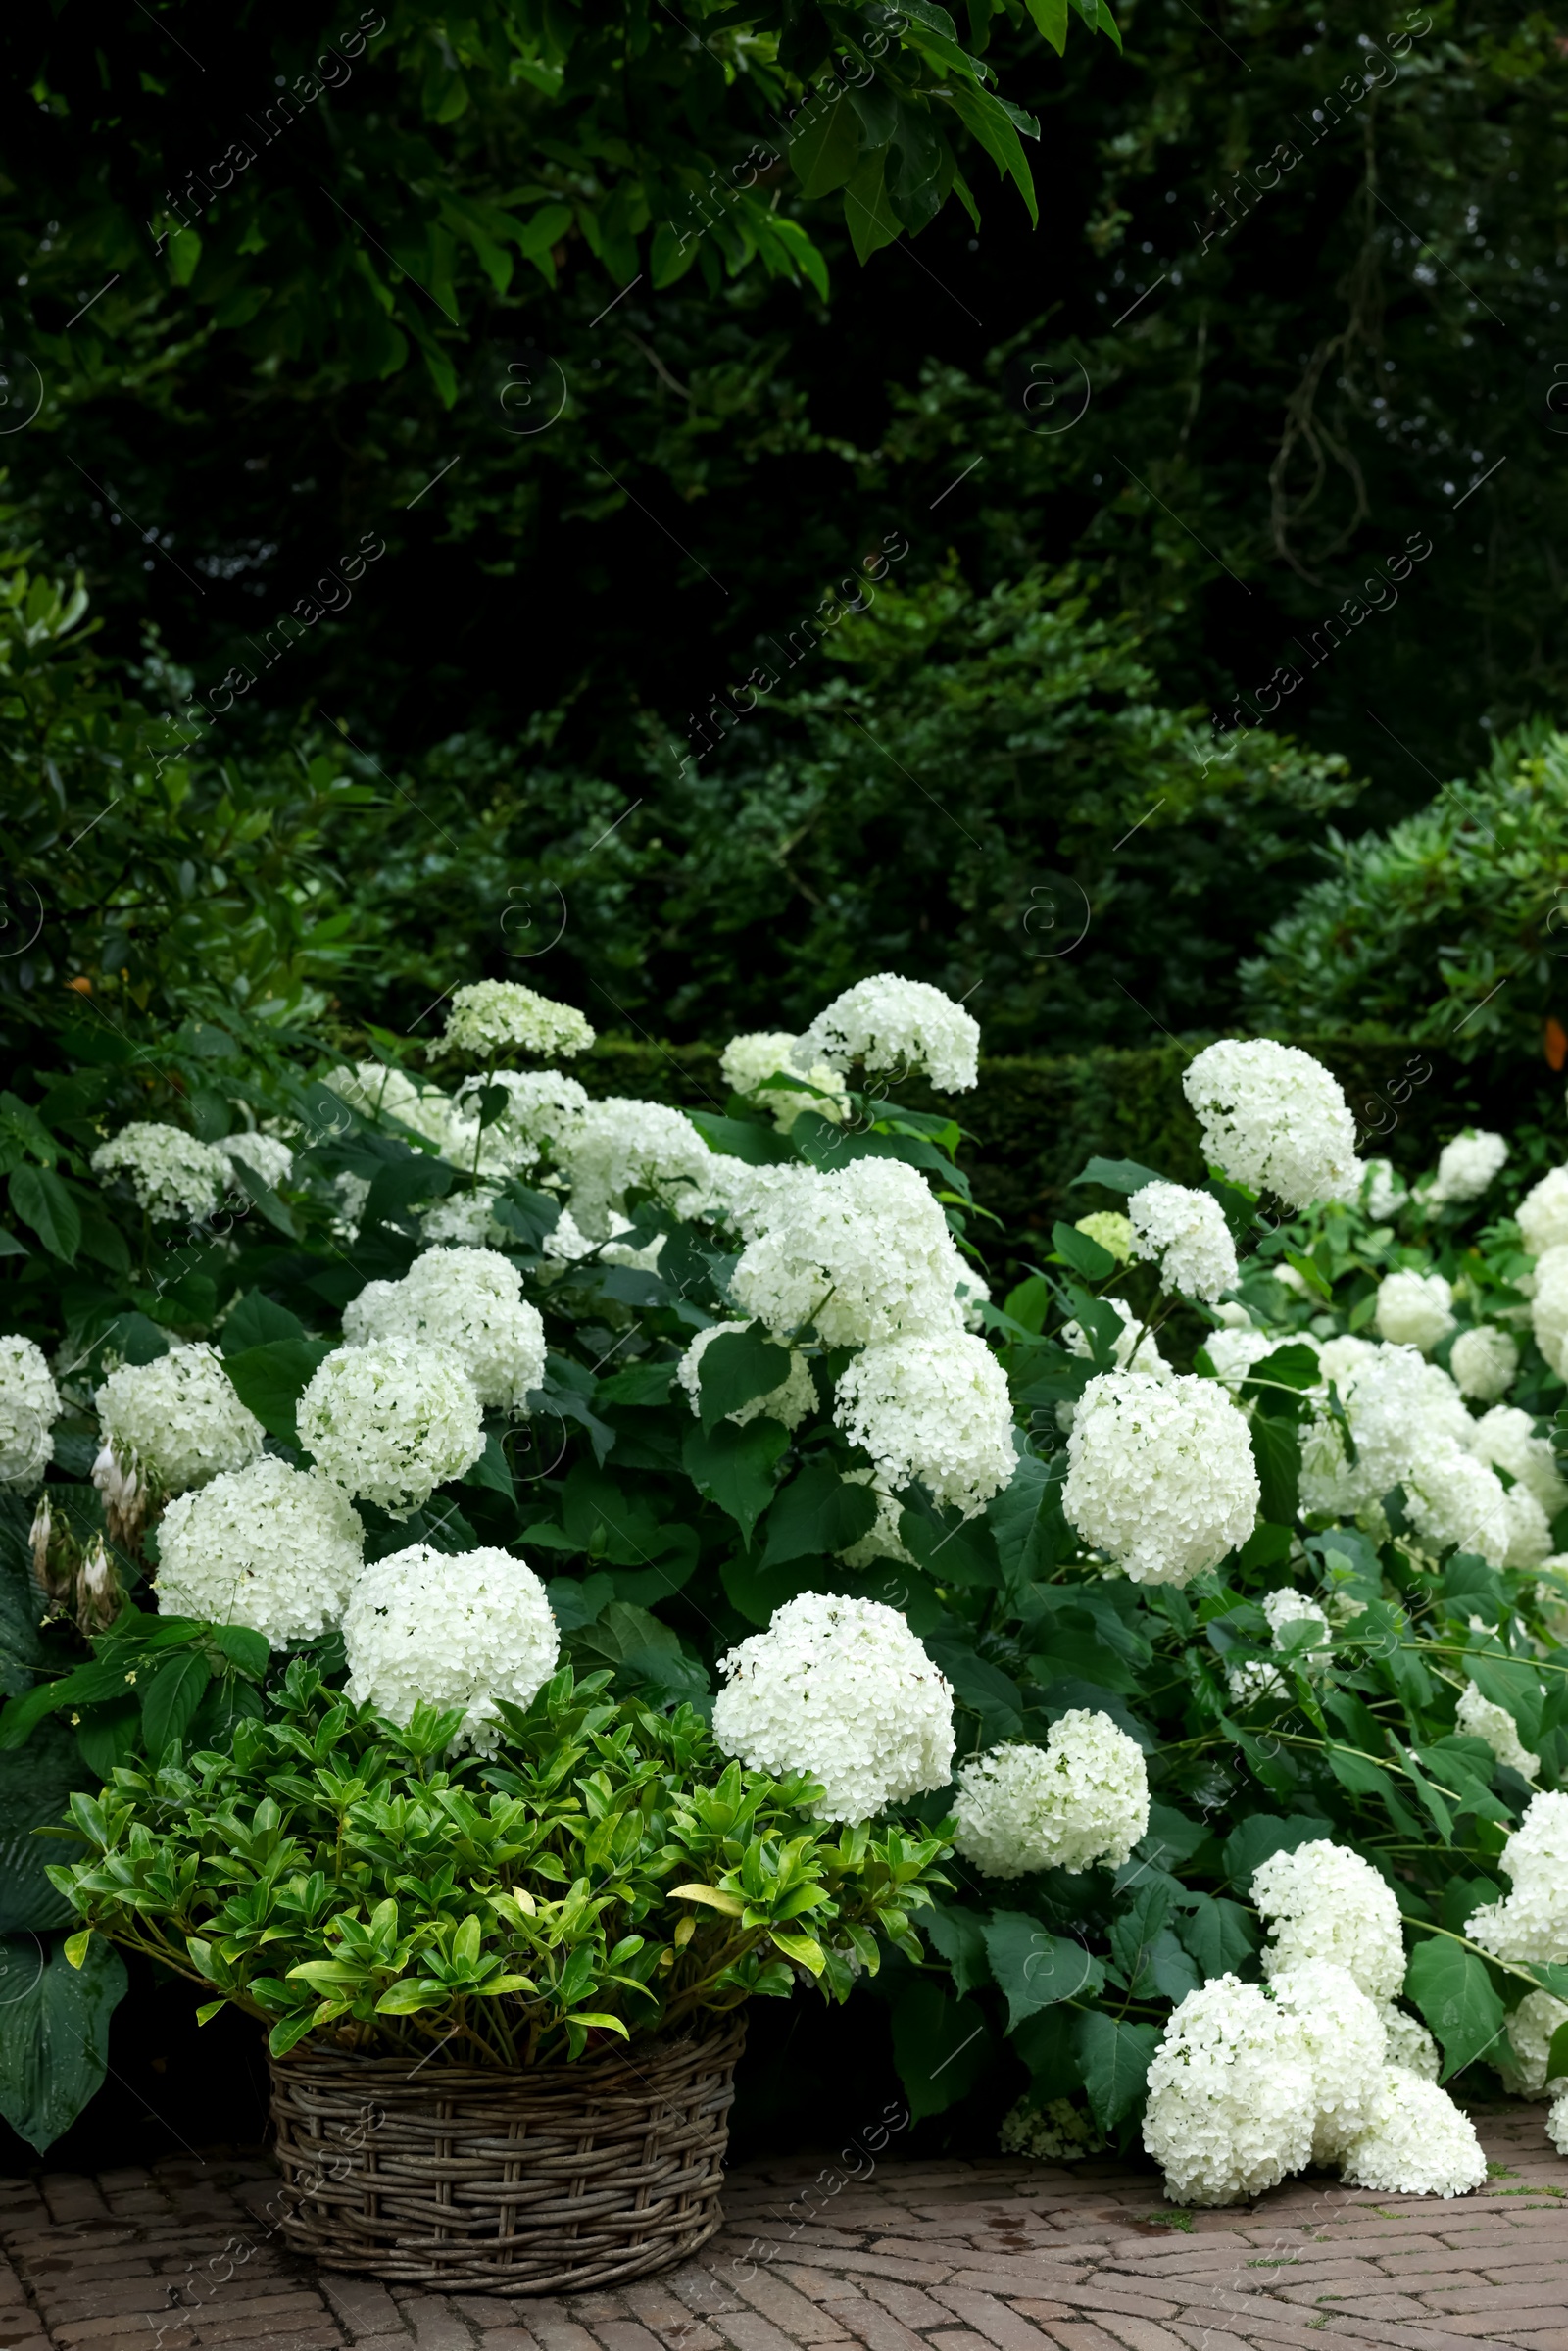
[{"x": 532, "y": 2183}]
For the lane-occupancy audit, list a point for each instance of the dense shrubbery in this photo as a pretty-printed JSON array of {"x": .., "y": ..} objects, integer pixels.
[{"x": 1167, "y": 1655}]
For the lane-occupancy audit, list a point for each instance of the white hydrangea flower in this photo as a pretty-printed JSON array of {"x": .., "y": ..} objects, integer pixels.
[
  {"x": 1482, "y": 1362},
  {"x": 1542, "y": 1214},
  {"x": 620, "y": 1143},
  {"x": 1455, "y": 1501},
  {"x": 887, "y": 1022},
  {"x": 1412, "y": 1429},
  {"x": 790, "y": 1401},
  {"x": 1234, "y": 1351},
  {"x": 1113, "y": 1231},
  {"x": 178, "y": 1421},
  {"x": 973, "y": 1291},
  {"x": 841, "y": 1688},
  {"x": 170, "y": 1173},
  {"x": 544, "y": 1108},
  {"x": 1480, "y": 1719},
  {"x": 1056, "y": 2133},
  {"x": 1186, "y": 1230},
  {"x": 1381, "y": 1191},
  {"x": 470, "y": 1302},
  {"x": 1530, "y": 1925},
  {"x": 464, "y": 1221},
  {"x": 1557, "y": 2123},
  {"x": 1418, "y": 2142},
  {"x": 1343, "y": 1357},
  {"x": 1133, "y": 1347},
  {"x": 864, "y": 1254},
  {"x": 1325, "y": 1903},
  {"x": 1466, "y": 1166},
  {"x": 746, "y": 1062},
  {"x": 1507, "y": 1435},
  {"x": 1528, "y": 1529},
  {"x": 1252, "y": 1682},
  {"x": 1523, "y": 2065},
  {"x": 29, "y": 1406},
  {"x": 1346, "y": 2043},
  {"x": 462, "y": 1630},
  {"x": 1160, "y": 1475},
  {"x": 269, "y": 1158},
  {"x": 391, "y": 1422},
  {"x": 377, "y": 1090},
  {"x": 936, "y": 1410},
  {"x": 1081, "y": 1799},
  {"x": 350, "y": 1194},
  {"x": 1413, "y": 1309},
  {"x": 268, "y": 1546},
  {"x": 1231, "y": 2099},
  {"x": 1548, "y": 1308},
  {"x": 494, "y": 1017},
  {"x": 1275, "y": 1120},
  {"x": 1410, "y": 2044}
]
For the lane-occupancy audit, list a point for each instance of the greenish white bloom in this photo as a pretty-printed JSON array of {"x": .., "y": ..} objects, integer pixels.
[
  {"x": 1325, "y": 1903},
  {"x": 1160, "y": 1475},
  {"x": 1417, "y": 2143},
  {"x": 746, "y": 1062},
  {"x": 935, "y": 1410},
  {"x": 29, "y": 1406},
  {"x": 1530, "y": 1925},
  {"x": 1231, "y": 2101},
  {"x": 1113, "y": 1231},
  {"x": 268, "y": 1546},
  {"x": 170, "y": 1173},
  {"x": 470, "y": 1301},
  {"x": 1345, "y": 2043},
  {"x": 1465, "y": 1167},
  {"x": 1542, "y": 1214},
  {"x": 1275, "y": 1120},
  {"x": 268, "y": 1158},
  {"x": 489, "y": 1017},
  {"x": 1482, "y": 1362},
  {"x": 1081, "y": 1799},
  {"x": 1187, "y": 1232},
  {"x": 839, "y": 1688},
  {"x": 468, "y": 1629},
  {"x": 176, "y": 1422},
  {"x": 391, "y": 1421},
  {"x": 889, "y": 1023},
  {"x": 1413, "y": 1309}
]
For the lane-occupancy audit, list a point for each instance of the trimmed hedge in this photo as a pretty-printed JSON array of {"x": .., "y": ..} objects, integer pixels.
[{"x": 1033, "y": 1122}]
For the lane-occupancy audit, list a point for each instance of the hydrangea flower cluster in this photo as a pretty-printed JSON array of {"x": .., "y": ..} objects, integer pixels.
[
  {"x": 1274, "y": 1119},
  {"x": 1530, "y": 1925},
  {"x": 1531, "y": 2028},
  {"x": 1417, "y": 2143},
  {"x": 1542, "y": 1214},
  {"x": 1507, "y": 1437},
  {"x": 268, "y": 1546},
  {"x": 841, "y": 1688},
  {"x": 266, "y": 1157},
  {"x": 1160, "y": 1475},
  {"x": 864, "y": 1255},
  {"x": 1413, "y": 1309},
  {"x": 543, "y": 1109},
  {"x": 1113, "y": 1231},
  {"x": 1325, "y": 1903},
  {"x": 619, "y": 1144},
  {"x": 464, "y": 1220},
  {"x": 1187, "y": 1232},
  {"x": 1381, "y": 1191},
  {"x": 427, "y": 1627},
  {"x": 936, "y": 1410},
  {"x": 176, "y": 1422},
  {"x": 886, "y": 1022},
  {"x": 790, "y": 1401},
  {"x": 470, "y": 1302},
  {"x": 1482, "y": 1361},
  {"x": 1081, "y": 1799},
  {"x": 171, "y": 1174},
  {"x": 1346, "y": 2043},
  {"x": 1254, "y": 1680},
  {"x": 374, "y": 1090},
  {"x": 496, "y": 1016},
  {"x": 1133, "y": 1347},
  {"x": 1231, "y": 2099},
  {"x": 1465, "y": 1167},
  {"x": 29, "y": 1406},
  {"x": 391, "y": 1422},
  {"x": 746, "y": 1062},
  {"x": 1548, "y": 1308},
  {"x": 1410, "y": 2044},
  {"x": 1480, "y": 1719}
]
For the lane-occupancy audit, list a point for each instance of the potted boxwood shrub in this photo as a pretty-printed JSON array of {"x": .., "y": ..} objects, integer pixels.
[{"x": 504, "y": 1990}]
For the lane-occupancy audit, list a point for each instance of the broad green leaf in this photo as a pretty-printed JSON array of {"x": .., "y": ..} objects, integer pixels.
[
  {"x": 1453, "y": 1993},
  {"x": 255, "y": 1321},
  {"x": 734, "y": 1466},
  {"x": 1026, "y": 1522},
  {"x": 40, "y": 1199},
  {"x": 490, "y": 1470},
  {"x": 1115, "y": 2058},
  {"x": 1277, "y": 1456},
  {"x": 1310, "y": 1272},
  {"x": 1221, "y": 1935},
  {"x": 1118, "y": 1175},
  {"x": 758, "y": 1145},
  {"x": 1557, "y": 2055},
  {"x": 941, "y": 2045},
  {"x": 1252, "y": 1840},
  {"x": 961, "y": 1938},
  {"x": 825, "y": 148},
  {"x": 172, "y": 1696},
  {"x": 819, "y": 1513},
  {"x": 36, "y": 1783},
  {"x": 1297, "y": 1367},
  {"x": 867, "y": 210},
  {"x": 1035, "y": 1968},
  {"x": 1050, "y": 17},
  {"x": 736, "y": 1368},
  {"x": 1511, "y": 1684},
  {"x": 54, "y": 2033},
  {"x": 271, "y": 1378},
  {"x": 244, "y": 1649},
  {"x": 1084, "y": 1256}
]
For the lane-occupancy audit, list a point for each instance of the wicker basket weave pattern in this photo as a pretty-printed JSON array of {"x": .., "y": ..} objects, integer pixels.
[{"x": 531, "y": 2183}]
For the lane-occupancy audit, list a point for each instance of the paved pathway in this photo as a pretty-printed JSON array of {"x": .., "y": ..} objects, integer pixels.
[{"x": 990, "y": 2256}]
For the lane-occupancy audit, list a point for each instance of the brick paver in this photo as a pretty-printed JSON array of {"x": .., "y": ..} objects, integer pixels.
[{"x": 940, "y": 2256}]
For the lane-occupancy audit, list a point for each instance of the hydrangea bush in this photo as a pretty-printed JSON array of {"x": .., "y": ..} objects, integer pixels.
[{"x": 1200, "y": 1596}]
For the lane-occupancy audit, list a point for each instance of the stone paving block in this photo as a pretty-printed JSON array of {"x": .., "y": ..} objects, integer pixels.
[
  {"x": 554, "y": 2329},
  {"x": 362, "y": 2304},
  {"x": 435, "y": 2323},
  {"x": 787, "y": 2308},
  {"x": 997, "y": 2321}
]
